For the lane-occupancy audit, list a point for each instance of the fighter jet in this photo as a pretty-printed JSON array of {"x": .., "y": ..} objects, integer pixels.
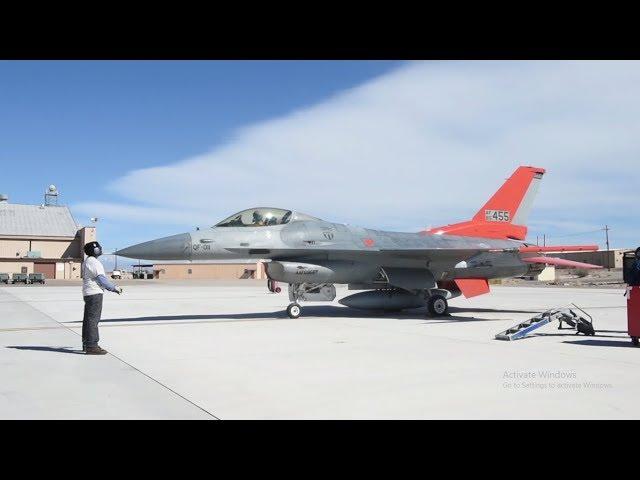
[{"x": 396, "y": 270}]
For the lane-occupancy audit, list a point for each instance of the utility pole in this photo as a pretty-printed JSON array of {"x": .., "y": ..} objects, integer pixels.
[
  {"x": 544, "y": 240},
  {"x": 606, "y": 232},
  {"x": 116, "y": 267}
]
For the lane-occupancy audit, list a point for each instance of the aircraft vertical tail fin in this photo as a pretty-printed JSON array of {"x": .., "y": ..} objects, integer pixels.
[
  {"x": 512, "y": 202},
  {"x": 505, "y": 214}
]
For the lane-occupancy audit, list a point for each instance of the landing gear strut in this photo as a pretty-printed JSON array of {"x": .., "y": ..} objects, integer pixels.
[
  {"x": 308, "y": 292},
  {"x": 273, "y": 287},
  {"x": 437, "y": 305}
]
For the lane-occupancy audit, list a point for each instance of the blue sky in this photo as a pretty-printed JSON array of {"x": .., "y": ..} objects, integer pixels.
[
  {"x": 81, "y": 124},
  {"x": 156, "y": 148}
]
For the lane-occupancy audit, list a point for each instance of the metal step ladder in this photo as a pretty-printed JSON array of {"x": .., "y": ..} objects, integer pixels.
[{"x": 563, "y": 314}]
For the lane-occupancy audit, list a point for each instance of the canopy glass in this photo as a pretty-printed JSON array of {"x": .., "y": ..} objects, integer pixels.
[{"x": 257, "y": 217}]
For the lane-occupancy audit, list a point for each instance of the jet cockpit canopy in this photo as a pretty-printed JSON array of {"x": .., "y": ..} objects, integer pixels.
[{"x": 257, "y": 217}]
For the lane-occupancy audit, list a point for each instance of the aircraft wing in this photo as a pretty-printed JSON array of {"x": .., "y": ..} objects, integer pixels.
[
  {"x": 439, "y": 253},
  {"x": 406, "y": 253},
  {"x": 559, "y": 262},
  {"x": 427, "y": 253}
]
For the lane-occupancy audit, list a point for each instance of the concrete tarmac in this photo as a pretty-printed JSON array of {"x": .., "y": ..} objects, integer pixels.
[{"x": 207, "y": 349}]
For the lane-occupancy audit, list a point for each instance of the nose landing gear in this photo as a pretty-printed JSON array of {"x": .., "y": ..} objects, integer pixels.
[{"x": 308, "y": 292}]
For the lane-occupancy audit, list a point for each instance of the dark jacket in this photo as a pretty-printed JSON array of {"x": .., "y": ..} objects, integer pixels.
[{"x": 634, "y": 274}]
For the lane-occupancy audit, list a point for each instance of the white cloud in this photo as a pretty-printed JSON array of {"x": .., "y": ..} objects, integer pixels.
[
  {"x": 114, "y": 212},
  {"x": 423, "y": 145}
]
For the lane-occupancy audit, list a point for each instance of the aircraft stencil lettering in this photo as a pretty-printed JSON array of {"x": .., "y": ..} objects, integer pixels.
[
  {"x": 306, "y": 272},
  {"x": 496, "y": 216},
  {"x": 398, "y": 270}
]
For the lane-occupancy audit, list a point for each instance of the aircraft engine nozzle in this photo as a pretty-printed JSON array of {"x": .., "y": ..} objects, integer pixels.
[
  {"x": 175, "y": 247},
  {"x": 383, "y": 300},
  {"x": 325, "y": 272}
]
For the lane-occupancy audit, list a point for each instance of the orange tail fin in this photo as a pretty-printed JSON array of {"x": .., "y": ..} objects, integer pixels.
[{"x": 506, "y": 212}]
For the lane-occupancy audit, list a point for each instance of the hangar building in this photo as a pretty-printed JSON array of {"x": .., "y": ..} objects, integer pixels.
[
  {"x": 210, "y": 270},
  {"x": 41, "y": 239},
  {"x": 605, "y": 258}
]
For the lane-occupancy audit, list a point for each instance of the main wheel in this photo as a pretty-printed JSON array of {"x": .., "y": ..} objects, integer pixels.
[
  {"x": 437, "y": 305},
  {"x": 294, "y": 310},
  {"x": 635, "y": 341}
]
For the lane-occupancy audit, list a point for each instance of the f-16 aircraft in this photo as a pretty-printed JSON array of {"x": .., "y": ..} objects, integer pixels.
[{"x": 396, "y": 270}]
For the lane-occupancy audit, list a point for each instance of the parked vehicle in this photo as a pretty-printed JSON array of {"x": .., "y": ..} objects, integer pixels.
[
  {"x": 116, "y": 274},
  {"x": 20, "y": 278},
  {"x": 4, "y": 278},
  {"x": 36, "y": 278}
]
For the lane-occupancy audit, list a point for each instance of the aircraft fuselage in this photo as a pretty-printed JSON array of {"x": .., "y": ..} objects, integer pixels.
[{"x": 359, "y": 251}]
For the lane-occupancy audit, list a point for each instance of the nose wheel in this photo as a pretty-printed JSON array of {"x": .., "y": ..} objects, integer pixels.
[
  {"x": 294, "y": 310},
  {"x": 437, "y": 305}
]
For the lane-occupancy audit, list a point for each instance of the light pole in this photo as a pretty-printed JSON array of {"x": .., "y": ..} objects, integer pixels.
[{"x": 606, "y": 233}]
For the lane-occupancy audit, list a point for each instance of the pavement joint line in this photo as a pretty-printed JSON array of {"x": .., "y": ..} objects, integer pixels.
[
  {"x": 127, "y": 363},
  {"x": 22, "y": 329}
]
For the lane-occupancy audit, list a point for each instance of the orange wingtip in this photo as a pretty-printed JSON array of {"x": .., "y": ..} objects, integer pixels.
[{"x": 560, "y": 262}]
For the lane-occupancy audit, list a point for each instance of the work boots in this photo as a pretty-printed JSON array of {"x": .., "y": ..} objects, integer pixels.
[{"x": 94, "y": 350}]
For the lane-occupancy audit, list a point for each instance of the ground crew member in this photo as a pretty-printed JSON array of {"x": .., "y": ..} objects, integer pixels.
[{"x": 94, "y": 282}]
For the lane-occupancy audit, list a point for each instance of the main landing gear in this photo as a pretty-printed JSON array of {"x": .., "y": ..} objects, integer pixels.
[
  {"x": 294, "y": 310},
  {"x": 437, "y": 305}
]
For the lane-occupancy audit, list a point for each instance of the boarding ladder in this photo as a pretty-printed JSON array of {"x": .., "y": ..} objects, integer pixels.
[{"x": 567, "y": 315}]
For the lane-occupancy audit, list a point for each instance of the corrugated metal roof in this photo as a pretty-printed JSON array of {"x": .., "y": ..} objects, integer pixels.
[{"x": 36, "y": 220}]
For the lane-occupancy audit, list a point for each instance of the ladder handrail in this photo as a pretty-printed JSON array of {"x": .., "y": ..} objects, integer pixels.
[{"x": 590, "y": 317}]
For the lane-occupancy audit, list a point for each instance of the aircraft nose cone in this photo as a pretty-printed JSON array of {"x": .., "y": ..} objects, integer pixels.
[{"x": 175, "y": 247}]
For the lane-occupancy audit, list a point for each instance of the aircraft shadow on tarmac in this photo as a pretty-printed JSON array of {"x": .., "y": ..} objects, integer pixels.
[
  {"x": 41, "y": 348},
  {"x": 491, "y": 310},
  {"x": 621, "y": 342},
  {"x": 324, "y": 311}
]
